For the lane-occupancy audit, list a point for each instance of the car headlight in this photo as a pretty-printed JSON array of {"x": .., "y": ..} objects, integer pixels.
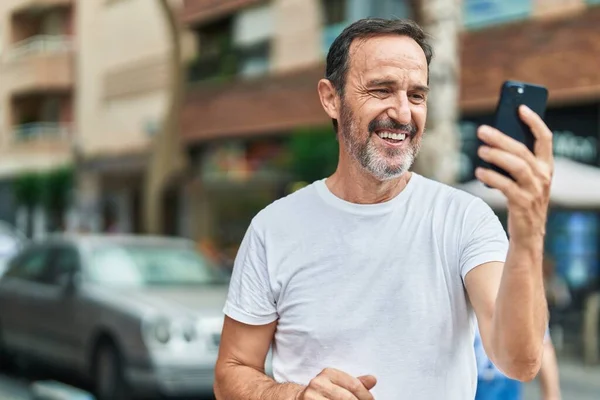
[{"x": 163, "y": 331}]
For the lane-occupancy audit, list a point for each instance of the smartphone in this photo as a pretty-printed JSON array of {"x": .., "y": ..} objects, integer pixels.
[{"x": 507, "y": 119}]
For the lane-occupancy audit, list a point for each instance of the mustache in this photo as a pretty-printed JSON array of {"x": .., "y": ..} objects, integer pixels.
[{"x": 390, "y": 124}]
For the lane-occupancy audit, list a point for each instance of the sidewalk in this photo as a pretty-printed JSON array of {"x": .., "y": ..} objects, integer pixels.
[{"x": 578, "y": 382}]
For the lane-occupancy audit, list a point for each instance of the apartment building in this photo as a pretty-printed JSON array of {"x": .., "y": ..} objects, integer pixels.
[
  {"x": 123, "y": 83},
  {"x": 254, "y": 83},
  {"x": 38, "y": 56}
]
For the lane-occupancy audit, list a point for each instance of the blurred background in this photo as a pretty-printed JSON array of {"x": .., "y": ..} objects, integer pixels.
[{"x": 182, "y": 119}]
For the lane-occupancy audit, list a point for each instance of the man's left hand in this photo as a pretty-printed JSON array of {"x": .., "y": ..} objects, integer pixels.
[{"x": 528, "y": 195}]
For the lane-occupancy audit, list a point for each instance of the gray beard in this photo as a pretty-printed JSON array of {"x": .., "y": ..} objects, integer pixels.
[{"x": 374, "y": 160}]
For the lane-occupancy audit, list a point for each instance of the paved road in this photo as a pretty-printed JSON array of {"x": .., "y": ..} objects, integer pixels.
[
  {"x": 578, "y": 383},
  {"x": 12, "y": 388}
]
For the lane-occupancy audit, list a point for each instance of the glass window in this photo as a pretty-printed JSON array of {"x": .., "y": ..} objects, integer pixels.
[
  {"x": 64, "y": 262},
  {"x": 481, "y": 13},
  {"x": 145, "y": 265},
  {"x": 334, "y": 12},
  {"x": 30, "y": 265}
]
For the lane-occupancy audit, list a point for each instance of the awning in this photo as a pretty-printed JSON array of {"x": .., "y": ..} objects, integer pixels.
[{"x": 574, "y": 185}]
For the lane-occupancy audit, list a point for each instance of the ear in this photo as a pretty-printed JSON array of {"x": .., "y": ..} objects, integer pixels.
[{"x": 329, "y": 98}]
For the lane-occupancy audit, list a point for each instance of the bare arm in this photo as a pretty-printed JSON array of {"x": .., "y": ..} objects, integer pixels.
[
  {"x": 513, "y": 322},
  {"x": 549, "y": 378},
  {"x": 240, "y": 372}
]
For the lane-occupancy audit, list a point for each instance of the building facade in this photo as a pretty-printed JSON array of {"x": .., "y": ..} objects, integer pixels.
[
  {"x": 38, "y": 57},
  {"x": 253, "y": 84},
  {"x": 123, "y": 82}
]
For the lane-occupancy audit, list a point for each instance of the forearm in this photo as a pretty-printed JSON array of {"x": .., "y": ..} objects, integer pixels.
[
  {"x": 549, "y": 378},
  {"x": 520, "y": 315},
  {"x": 239, "y": 382}
]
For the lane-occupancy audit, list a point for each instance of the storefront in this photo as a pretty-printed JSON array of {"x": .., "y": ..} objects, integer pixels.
[
  {"x": 238, "y": 178},
  {"x": 573, "y": 236}
]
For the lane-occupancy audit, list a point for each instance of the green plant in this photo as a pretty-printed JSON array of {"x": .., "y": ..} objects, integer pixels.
[
  {"x": 57, "y": 185},
  {"x": 313, "y": 153}
]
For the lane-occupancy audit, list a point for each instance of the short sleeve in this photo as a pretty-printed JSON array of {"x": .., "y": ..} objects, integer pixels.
[
  {"x": 250, "y": 299},
  {"x": 483, "y": 237}
]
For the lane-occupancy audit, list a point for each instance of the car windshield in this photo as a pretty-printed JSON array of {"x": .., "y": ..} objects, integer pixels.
[{"x": 146, "y": 265}]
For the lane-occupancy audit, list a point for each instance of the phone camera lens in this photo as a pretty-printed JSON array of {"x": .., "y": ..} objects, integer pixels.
[{"x": 520, "y": 90}]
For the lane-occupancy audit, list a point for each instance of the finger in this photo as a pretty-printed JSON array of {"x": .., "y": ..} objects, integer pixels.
[
  {"x": 495, "y": 138},
  {"x": 351, "y": 384},
  {"x": 323, "y": 386},
  {"x": 543, "y": 135},
  {"x": 497, "y": 181},
  {"x": 369, "y": 381},
  {"x": 518, "y": 168}
]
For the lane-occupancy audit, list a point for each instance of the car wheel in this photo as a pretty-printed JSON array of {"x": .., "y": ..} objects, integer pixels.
[{"x": 109, "y": 381}]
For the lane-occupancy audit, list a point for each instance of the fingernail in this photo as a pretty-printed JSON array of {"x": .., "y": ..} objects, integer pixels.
[
  {"x": 526, "y": 109},
  {"x": 484, "y": 130}
]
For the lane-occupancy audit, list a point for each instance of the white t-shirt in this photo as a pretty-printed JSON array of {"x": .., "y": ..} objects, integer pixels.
[{"x": 369, "y": 289}]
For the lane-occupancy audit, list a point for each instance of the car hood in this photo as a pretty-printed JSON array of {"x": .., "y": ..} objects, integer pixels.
[{"x": 190, "y": 301}]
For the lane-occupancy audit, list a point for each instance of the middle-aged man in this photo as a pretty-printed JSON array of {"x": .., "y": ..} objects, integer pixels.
[{"x": 364, "y": 283}]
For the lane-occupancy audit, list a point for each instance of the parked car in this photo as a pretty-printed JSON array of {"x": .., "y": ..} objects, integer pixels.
[
  {"x": 11, "y": 241},
  {"x": 134, "y": 315}
]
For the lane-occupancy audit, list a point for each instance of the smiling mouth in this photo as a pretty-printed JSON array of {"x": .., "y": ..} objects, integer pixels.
[{"x": 391, "y": 137}]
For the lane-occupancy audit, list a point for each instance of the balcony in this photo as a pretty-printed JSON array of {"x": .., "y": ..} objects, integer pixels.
[
  {"x": 241, "y": 62},
  {"x": 42, "y": 62},
  {"x": 35, "y": 5},
  {"x": 197, "y": 12},
  {"x": 41, "y": 135}
]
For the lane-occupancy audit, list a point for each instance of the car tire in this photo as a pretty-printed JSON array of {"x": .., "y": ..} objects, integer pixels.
[{"x": 109, "y": 382}]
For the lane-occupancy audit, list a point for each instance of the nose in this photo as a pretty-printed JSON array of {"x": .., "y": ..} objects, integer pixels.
[{"x": 399, "y": 110}]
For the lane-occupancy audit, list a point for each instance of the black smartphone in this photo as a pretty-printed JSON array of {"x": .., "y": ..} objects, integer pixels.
[{"x": 507, "y": 119}]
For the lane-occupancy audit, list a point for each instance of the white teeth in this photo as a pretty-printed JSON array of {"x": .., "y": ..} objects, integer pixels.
[{"x": 390, "y": 135}]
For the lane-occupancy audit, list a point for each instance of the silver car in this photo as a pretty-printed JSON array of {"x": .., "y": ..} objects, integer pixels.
[{"x": 134, "y": 315}]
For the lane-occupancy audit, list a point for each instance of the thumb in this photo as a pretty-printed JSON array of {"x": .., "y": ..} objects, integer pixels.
[{"x": 368, "y": 380}]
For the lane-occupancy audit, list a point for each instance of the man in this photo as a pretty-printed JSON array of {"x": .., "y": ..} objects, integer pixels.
[
  {"x": 365, "y": 283},
  {"x": 492, "y": 384}
]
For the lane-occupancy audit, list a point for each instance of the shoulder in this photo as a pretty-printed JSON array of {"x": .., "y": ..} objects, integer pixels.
[
  {"x": 284, "y": 211},
  {"x": 445, "y": 196}
]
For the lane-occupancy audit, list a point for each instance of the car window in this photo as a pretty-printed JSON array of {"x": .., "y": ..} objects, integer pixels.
[
  {"x": 30, "y": 265},
  {"x": 64, "y": 261}
]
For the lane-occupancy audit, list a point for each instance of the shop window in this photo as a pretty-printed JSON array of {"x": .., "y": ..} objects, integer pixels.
[{"x": 482, "y": 13}]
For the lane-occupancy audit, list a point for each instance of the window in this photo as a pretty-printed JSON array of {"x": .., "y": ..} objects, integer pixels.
[
  {"x": 389, "y": 9},
  {"x": 64, "y": 262},
  {"x": 334, "y": 12},
  {"x": 481, "y": 13},
  {"x": 31, "y": 265}
]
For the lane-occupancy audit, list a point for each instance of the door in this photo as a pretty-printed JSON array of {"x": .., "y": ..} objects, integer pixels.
[
  {"x": 61, "y": 308},
  {"x": 17, "y": 299}
]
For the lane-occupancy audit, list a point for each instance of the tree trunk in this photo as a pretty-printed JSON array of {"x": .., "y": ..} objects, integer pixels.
[
  {"x": 440, "y": 149},
  {"x": 167, "y": 156}
]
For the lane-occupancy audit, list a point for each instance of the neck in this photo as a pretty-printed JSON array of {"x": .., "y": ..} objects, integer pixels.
[{"x": 352, "y": 183}]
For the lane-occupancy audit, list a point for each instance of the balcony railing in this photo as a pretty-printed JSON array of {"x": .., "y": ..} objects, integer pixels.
[
  {"x": 242, "y": 61},
  {"x": 40, "y": 44},
  {"x": 40, "y": 131}
]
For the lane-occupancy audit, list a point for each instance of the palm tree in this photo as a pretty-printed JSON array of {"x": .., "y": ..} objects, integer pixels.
[
  {"x": 167, "y": 156},
  {"x": 439, "y": 153}
]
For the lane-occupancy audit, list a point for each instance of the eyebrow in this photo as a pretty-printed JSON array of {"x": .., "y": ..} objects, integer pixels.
[{"x": 392, "y": 82}]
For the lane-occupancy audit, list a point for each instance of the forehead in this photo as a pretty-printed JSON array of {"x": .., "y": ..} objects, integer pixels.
[{"x": 388, "y": 54}]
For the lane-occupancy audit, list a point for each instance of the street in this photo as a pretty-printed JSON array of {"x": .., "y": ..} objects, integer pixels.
[{"x": 577, "y": 382}]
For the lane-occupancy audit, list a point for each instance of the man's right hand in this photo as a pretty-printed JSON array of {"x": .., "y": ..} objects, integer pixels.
[{"x": 332, "y": 384}]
